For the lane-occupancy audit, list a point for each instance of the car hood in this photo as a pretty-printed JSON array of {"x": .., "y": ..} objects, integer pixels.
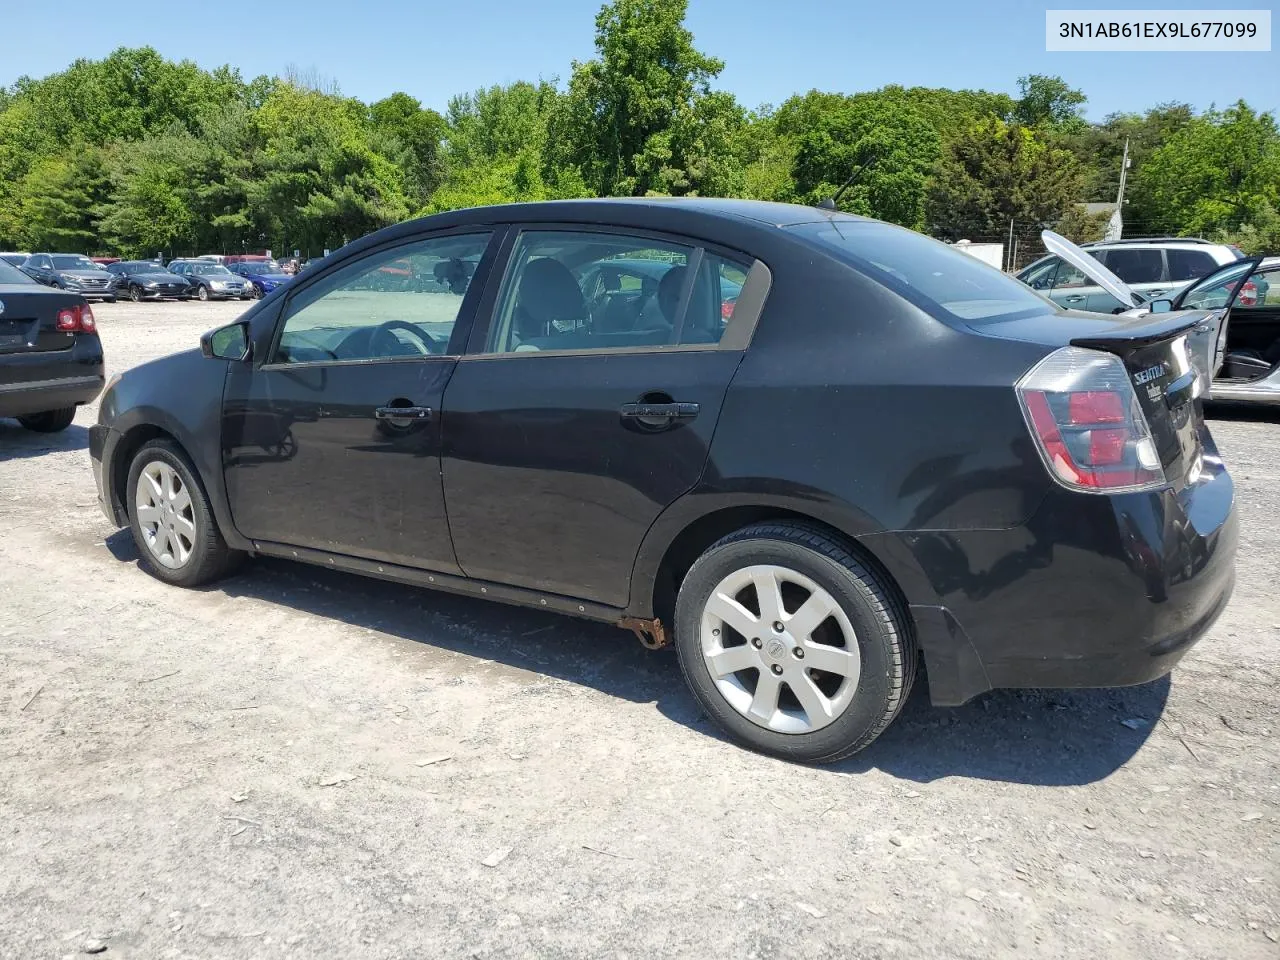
[
  {"x": 1090, "y": 267},
  {"x": 86, "y": 274}
]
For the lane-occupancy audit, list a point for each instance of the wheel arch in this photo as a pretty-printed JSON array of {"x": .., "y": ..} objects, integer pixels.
[{"x": 691, "y": 525}]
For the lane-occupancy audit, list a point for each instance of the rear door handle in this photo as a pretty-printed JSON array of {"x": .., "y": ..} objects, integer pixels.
[
  {"x": 656, "y": 411},
  {"x": 402, "y": 413}
]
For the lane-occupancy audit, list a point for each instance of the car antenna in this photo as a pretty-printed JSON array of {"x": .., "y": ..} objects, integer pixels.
[{"x": 830, "y": 202}]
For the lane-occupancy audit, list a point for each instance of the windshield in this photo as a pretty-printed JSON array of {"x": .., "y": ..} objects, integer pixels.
[
  {"x": 63, "y": 261},
  {"x": 209, "y": 269},
  {"x": 11, "y": 274},
  {"x": 922, "y": 269}
]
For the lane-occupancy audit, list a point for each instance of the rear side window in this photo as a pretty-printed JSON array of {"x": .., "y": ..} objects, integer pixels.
[
  {"x": 569, "y": 290},
  {"x": 931, "y": 274},
  {"x": 1189, "y": 264},
  {"x": 11, "y": 274},
  {"x": 1141, "y": 265}
]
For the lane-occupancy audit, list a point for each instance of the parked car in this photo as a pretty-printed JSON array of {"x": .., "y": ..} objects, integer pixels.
[
  {"x": 50, "y": 354},
  {"x": 105, "y": 261},
  {"x": 1155, "y": 267},
  {"x": 147, "y": 280},
  {"x": 888, "y": 450},
  {"x": 211, "y": 281},
  {"x": 215, "y": 257},
  {"x": 71, "y": 271},
  {"x": 13, "y": 258},
  {"x": 1237, "y": 346},
  {"x": 263, "y": 275}
]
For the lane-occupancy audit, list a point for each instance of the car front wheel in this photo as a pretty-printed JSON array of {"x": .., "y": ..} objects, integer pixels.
[
  {"x": 790, "y": 643},
  {"x": 135, "y": 294},
  {"x": 171, "y": 519},
  {"x": 49, "y": 421},
  {"x": 203, "y": 293}
]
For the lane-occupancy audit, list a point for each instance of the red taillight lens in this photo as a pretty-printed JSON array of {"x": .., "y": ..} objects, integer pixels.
[
  {"x": 77, "y": 319},
  {"x": 1087, "y": 423},
  {"x": 1249, "y": 294},
  {"x": 726, "y": 309}
]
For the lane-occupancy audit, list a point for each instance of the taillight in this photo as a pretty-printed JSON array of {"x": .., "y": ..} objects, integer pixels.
[
  {"x": 1087, "y": 422},
  {"x": 78, "y": 319},
  {"x": 726, "y": 308},
  {"x": 1249, "y": 294}
]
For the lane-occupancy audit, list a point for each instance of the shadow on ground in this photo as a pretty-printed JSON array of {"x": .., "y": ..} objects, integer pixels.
[
  {"x": 1243, "y": 412},
  {"x": 1051, "y": 738},
  {"x": 17, "y": 442}
]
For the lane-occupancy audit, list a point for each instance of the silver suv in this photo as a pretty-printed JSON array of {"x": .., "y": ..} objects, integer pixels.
[{"x": 1156, "y": 267}]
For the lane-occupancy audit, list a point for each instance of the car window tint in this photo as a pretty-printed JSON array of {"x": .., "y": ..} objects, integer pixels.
[
  {"x": 1136, "y": 266},
  {"x": 401, "y": 302},
  {"x": 1261, "y": 291},
  {"x": 1069, "y": 277},
  {"x": 603, "y": 291},
  {"x": 1189, "y": 264},
  {"x": 11, "y": 274},
  {"x": 1040, "y": 276},
  {"x": 930, "y": 273}
]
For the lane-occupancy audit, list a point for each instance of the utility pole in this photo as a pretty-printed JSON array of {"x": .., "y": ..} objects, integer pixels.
[
  {"x": 1116, "y": 227},
  {"x": 1009, "y": 255}
]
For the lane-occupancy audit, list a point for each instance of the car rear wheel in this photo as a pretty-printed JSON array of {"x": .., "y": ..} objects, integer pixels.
[
  {"x": 203, "y": 293},
  {"x": 172, "y": 521},
  {"x": 793, "y": 645},
  {"x": 50, "y": 421}
]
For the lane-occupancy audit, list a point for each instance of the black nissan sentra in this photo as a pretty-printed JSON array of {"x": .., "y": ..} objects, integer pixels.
[{"x": 816, "y": 448}]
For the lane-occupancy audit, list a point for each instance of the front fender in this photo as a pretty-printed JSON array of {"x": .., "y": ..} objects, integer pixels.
[{"x": 181, "y": 395}]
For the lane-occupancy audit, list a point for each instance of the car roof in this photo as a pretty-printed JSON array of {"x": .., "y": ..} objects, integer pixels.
[{"x": 1174, "y": 242}]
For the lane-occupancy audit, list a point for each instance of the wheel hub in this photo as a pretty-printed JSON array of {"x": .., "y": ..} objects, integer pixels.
[{"x": 780, "y": 649}]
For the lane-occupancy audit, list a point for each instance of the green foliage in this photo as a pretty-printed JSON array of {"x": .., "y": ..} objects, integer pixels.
[
  {"x": 1081, "y": 227},
  {"x": 134, "y": 154},
  {"x": 1217, "y": 173},
  {"x": 997, "y": 172}
]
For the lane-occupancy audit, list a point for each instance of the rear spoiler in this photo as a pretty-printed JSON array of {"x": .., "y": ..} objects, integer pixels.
[{"x": 1144, "y": 331}]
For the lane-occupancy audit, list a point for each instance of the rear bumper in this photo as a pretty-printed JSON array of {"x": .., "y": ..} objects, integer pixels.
[
  {"x": 1093, "y": 591},
  {"x": 36, "y": 382}
]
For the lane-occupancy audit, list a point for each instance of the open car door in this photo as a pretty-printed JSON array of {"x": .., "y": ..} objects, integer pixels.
[{"x": 1217, "y": 292}]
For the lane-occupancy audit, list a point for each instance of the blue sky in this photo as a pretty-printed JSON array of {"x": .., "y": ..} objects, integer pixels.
[{"x": 771, "y": 49}]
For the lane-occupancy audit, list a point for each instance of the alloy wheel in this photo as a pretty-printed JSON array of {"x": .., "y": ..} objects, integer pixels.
[
  {"x": 135, "y": 294},
  {"x": 779, "y": 649},
  {"x": 163, "y": 507}
]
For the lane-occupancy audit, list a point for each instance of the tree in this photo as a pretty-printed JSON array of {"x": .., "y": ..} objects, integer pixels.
[
  {"x": 835, "y": 134},
  {"x": 416, "y": 134},
  {"x": 1100, "y": 147},
  {"x": 641, "y": 117},
  {"x": 998, "y": 172},
  {"x": 1048, "y": 102},
  {"x": 1218, "y": 172}
]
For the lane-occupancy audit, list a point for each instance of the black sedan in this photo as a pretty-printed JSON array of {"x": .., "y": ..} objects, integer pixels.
[
  {"x": 148, "y": 280},
  {"x": 884, "y": 450},
  {"x": 211, "y": 281},
  {"x": 71, "y": 271},
  {"x": 50, "y": 354}
]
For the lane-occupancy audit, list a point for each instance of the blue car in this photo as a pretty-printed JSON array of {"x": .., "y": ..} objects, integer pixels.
[{"x": 264, "y": 275}]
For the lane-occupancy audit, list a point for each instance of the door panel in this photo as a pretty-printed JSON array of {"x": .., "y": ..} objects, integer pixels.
[
  {"x": 548, "y": 486},
  {"x": 334, "y": 443},
  {"x": 309, "y": 463}
]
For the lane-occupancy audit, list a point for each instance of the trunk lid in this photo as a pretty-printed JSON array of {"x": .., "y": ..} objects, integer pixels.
[{"x": 29, "y": 319}]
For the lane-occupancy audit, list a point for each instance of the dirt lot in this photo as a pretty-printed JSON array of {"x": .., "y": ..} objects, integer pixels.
[{"x": 247, "y": 771}]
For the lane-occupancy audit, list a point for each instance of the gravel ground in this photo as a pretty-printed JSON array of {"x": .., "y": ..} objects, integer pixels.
[{"x": 259, "y": 770}]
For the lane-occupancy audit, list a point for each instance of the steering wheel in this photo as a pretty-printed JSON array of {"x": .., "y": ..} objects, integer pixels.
[{"x": 426, "y": 343}]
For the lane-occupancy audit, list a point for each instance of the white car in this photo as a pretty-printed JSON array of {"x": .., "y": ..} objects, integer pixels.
[
  {"x": 1239, "y": 342},
  {"x": 1156, "y": 267}
]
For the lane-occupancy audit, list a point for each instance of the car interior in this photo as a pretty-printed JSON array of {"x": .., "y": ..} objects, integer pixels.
[{"x": 1253, "y": 328}]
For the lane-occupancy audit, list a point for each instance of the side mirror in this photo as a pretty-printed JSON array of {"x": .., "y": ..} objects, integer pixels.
[
  {"x": 1160, "y": 306},
  {"x": 226, "y": 343}
]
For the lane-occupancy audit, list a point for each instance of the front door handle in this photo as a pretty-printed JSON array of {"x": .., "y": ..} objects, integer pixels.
[
  {"x": 402, "y": 413},
  {"x": 1078, "y": 298},
  {"x": 659, "y": 411}
]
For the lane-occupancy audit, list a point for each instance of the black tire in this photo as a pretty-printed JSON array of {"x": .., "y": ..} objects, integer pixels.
[
  {"x": 256, "y": 292},
  {"x": 210, "y": 557},
  {"x": 880, "y": 622},
  {"x": 135, "y": 293},
  {"x": 50, "y": 421},
  {"x": 203, "y": 293},
  {"x": 108, "y": 299}
]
